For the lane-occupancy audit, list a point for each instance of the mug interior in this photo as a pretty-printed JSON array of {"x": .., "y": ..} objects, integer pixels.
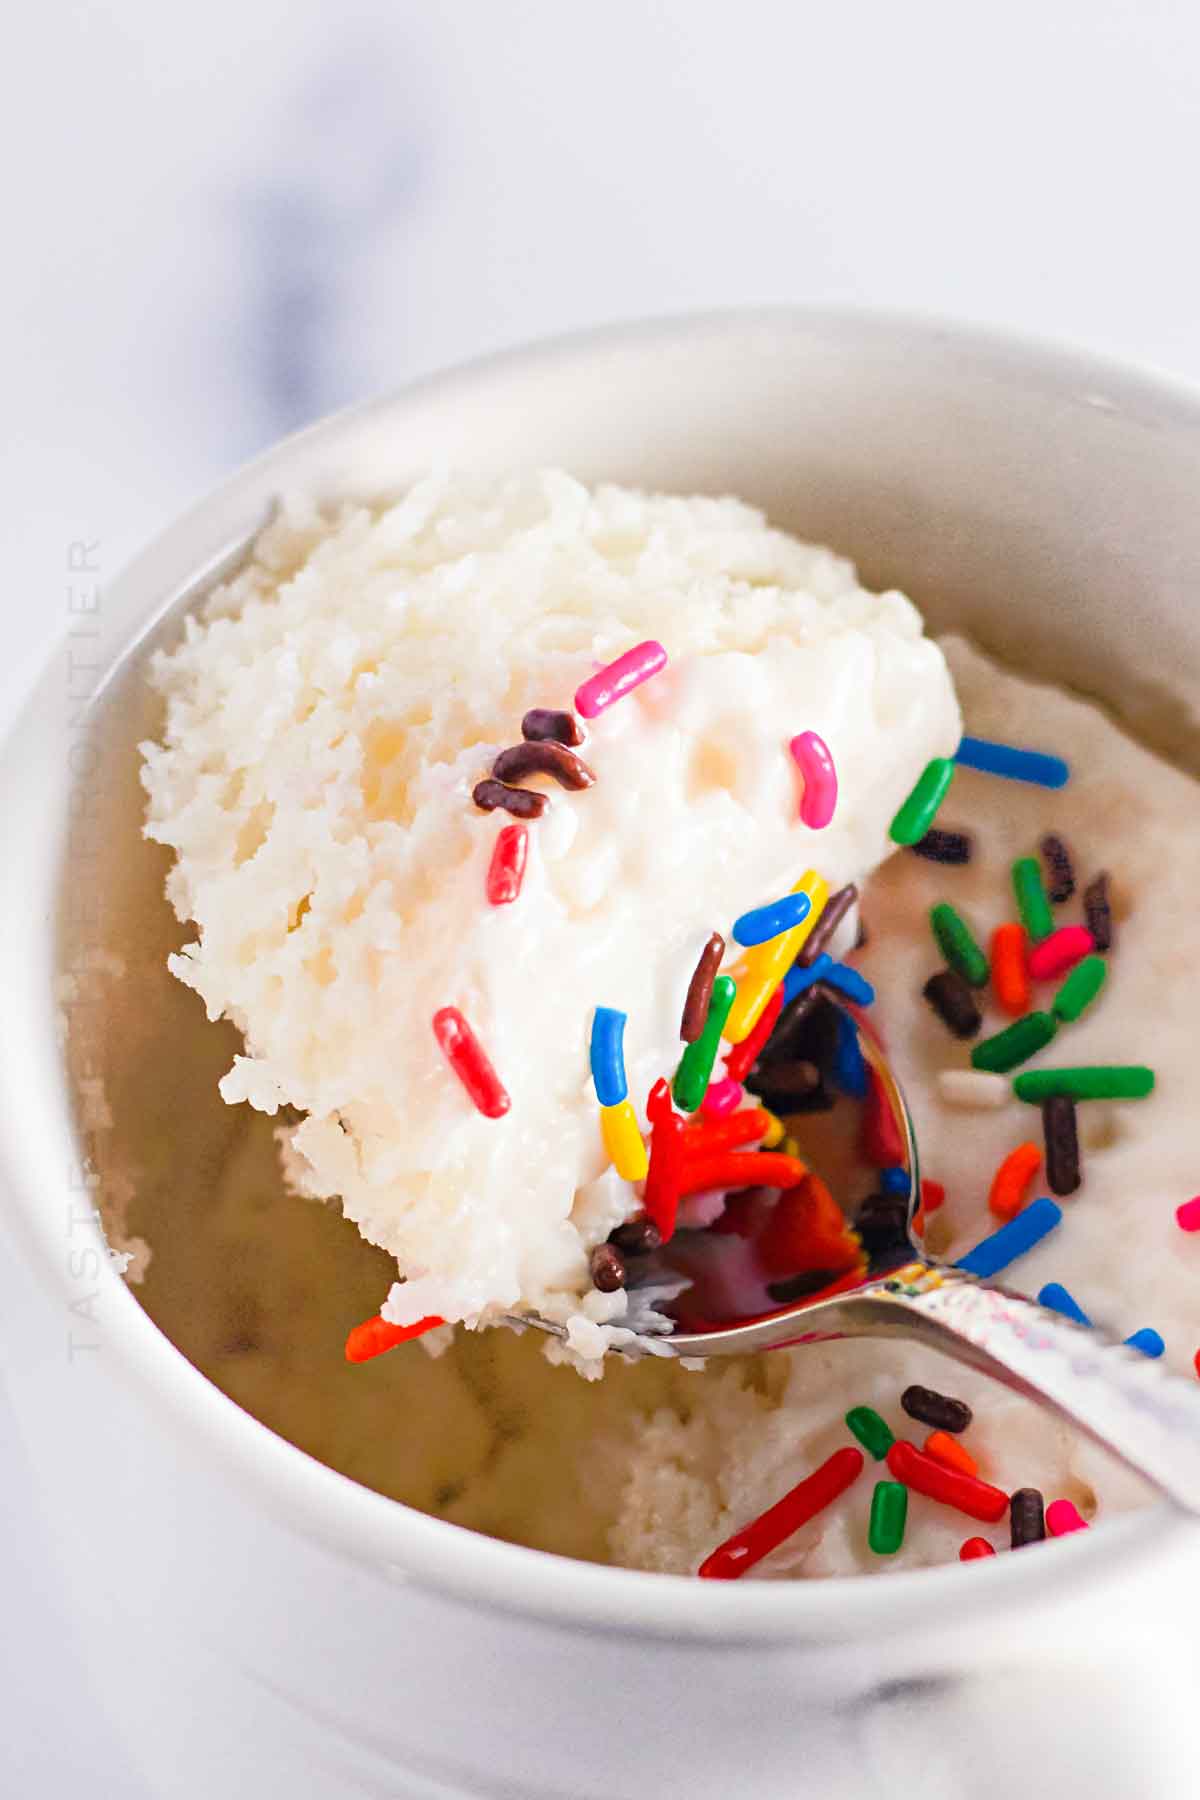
[{"x": 1040, "y": 502}]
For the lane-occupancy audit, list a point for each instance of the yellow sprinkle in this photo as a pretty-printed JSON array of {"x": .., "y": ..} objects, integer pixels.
[
  {"x": 623, "y": 1140},
  {"x": 774, "y": 1132},
  {"x": 918, "y": 1274},
  {"x": 753, "y": 992},
  {"x": 790, "y": 1146},
  {"x": 766, "y": 965}
]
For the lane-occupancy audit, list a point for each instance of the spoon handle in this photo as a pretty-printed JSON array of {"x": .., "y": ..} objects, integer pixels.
[{"x": 1144, "y": 1414}]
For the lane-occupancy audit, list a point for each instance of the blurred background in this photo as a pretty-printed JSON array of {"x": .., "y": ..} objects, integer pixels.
[{"x": 222, "y": 222}]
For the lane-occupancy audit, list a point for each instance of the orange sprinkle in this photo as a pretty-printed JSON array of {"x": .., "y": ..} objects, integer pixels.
[
  {"x": 1196, "y": 1362},
  {"x": 376, "y": 1335},
  {"x": 1013, "y": 1179},
  {"x": 739, "y": 1169},
  {"x": 1010, "y": 977},
  {"x": 947, "y": 1450}
]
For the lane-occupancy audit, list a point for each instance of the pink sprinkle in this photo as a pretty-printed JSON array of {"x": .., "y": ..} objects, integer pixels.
[
  {"x": 815, "y": 762},
  {"x": 722, "y": 1097},
  {"x": 1062, "y": 1516},
  {"x": 1187, "y": 1216},
  {"x": 619, "y": 678},
  {"x": 1060, "y": 952}
]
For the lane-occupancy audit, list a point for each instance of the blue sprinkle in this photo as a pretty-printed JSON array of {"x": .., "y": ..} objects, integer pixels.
[
  {"x": 767, "y": 922},
  {"x": 797, "y": 979},
  {"x": 849, "y": 1068},
  {"x": 608, "y": 1056},
  {"x": 1017, "y": 765},
  {"x": 895, "y": 1181},
  {"x": 850, "y": 983},
  {"x": 1055, "y": 1298},
  {"x": 1012, "y": 1240}
]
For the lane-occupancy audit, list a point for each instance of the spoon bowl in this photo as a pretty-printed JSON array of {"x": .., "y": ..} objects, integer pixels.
[{"x": 1131, "y": 1404}]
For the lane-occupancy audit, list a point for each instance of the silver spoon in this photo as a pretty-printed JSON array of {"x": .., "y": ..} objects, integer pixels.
[{"x": 1141, "y": 1412}]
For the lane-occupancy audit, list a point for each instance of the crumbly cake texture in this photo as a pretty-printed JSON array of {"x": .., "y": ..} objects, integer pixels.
[{"x": 327, "y": 716}]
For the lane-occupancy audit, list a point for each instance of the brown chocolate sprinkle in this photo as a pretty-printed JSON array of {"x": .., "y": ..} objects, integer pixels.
[
  {"x": 541, "y": 724},
  {"x": 1026, "y": 1517},
  {"x": 938, "y": 1410},
  {"x": 636, "y": 1237},
  {"x": 954, "y": 1003},
  {"x": 943, "y": 846},
  {"x": 522, "y": 803},
  {"x": 1060, "y": 871},
  {"x": 791, "y": 1078},
  {"x": 1097, "y": 910},
  {"x": 882, "y": 1224},
  {"x": 836, "y": 908},
  {"x": 862, "y": 936},
  {"x": 700, "y": 987},
  {"x": 1061, "y": 1133},
  {"x": 793, "y": 1016},
  {"x": 607, "y": 1268},
  {"x": 523, "y": 760},
  {"x": 810, "y": 1034}
]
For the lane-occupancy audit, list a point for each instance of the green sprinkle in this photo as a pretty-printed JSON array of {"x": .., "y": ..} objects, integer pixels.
[
  {"x": 1015, "y": 1044},
  {"x": 1080, "y": 988},
  {"x": 889, "y": 1511},
  {"x": 956, "y": 941},
  {"x": 1099, "y": 1081},
  {"x": 873, "y": 1433},
  {"x": 1032, "y": 903},
  {"x": 696, "y": 1064},
  {"x": 917, "y": 814}
]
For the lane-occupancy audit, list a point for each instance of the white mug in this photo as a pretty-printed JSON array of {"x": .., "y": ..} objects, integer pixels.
[{"x": 260, "y": 1626}]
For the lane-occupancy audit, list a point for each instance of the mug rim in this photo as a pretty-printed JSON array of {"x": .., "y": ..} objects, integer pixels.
[{"x": 434, "y": 1553}]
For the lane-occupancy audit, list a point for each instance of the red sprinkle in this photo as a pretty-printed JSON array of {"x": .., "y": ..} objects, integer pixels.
[
  {"x": 506, "y": 871},
  {"x": 881, "y": 1144},
  {"x": 660, "y": 1196},
  {"x": 925, "y": 1476},
  {"x": 1060, "y": 952},
  {"x": 973, "y": 1548},
  {"x": 933, "y": 1195},
  {"x": 800, "y": 1504},
  {"x": 466, "y": 1057},
  {"x": 806, "y": 1230},
  {"x": 703, "y": 1134},
  {"x": 376, "y": 1335},
  {"x": 1187, "y": 1216},
  {"x": 741, "y": 1058},
  {"x": 738, "y": 1169}
]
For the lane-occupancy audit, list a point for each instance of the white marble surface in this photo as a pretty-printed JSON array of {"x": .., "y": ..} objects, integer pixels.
[{"x": 222, "y": 222}]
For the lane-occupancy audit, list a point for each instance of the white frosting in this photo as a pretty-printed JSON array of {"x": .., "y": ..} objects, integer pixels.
[{"x": 326, "y": 722}]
